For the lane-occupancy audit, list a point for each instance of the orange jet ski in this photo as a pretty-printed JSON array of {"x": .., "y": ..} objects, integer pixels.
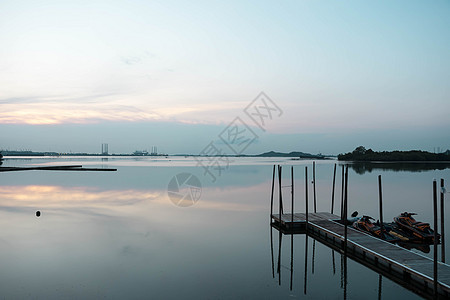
[
  {"x": 420, "y": 230},
  {"x": 365, "y": 224}
]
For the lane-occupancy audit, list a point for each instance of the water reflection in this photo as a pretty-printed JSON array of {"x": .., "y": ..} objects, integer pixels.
[
  {"x": 369, "y": 285},
  {"x": 367, "y": 167},
  {"x": 120, "y": 231},
  {"x": 49, "y": 195},
  {"x": 343, "y": 280}
]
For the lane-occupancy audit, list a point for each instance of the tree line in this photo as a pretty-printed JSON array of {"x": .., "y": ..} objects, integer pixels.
[{"x": 363, "y": 154}]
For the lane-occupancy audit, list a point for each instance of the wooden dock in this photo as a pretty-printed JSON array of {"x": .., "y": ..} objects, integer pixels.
[
  {"x": 55, "y": 168},
  {"x": 404, "y": 266}
]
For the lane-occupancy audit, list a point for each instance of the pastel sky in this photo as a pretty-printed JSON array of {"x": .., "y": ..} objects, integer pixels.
[{"x": 173, "y": 74}]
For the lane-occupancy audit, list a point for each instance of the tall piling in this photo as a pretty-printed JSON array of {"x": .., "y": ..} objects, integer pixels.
[
  {"x": 314, "y": 186},
  {"x": 306, "y": 198},
  {"x": 435, "y": 264},
  {"x": 271, "y": 196},
  {"x": 345, "y": 207},
  {"x": 380, "y": 196},
  {"x": 332, "y": 192},
  {"x": 280, "y": 206},
  {"x": 442, "y": 222},
  {"x": 292, "y": 197},
  {"x": 342, "y": 194}
]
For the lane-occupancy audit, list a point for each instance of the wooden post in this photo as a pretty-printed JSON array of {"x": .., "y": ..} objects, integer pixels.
[
  {"x": 314, "y": 186},
  {"x": 380, "y": 195},
  {"x": 271, "y": 197},
  {"x": 342, "y": 195},
  {"x": 280, "y": 205},
  {"x": 292, "y": 197},
  {"x": 345, "y": 207},
  {"x": 442, "y": 222},
  {"x": 332, "y": 193},
  {"x": 306, "y": 197},
  {"x": 435, "y": 265}
]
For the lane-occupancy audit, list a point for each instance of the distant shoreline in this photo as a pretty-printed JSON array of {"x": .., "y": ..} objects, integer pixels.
[
  {"x": 293, "y": 155},
  {"x": 360, "y": 154}
]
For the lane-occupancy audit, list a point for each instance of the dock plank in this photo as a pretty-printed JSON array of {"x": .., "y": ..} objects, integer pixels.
[{"x": 418, "y": 266}]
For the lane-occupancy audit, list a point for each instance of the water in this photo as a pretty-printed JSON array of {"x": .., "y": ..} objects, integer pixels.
[{"x": 118, "y": 235}]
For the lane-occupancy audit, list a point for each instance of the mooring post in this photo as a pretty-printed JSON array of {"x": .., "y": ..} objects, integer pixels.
[
  {"x": 435, "y": 265},
  {"x": 271, "y": 196},
  {"x": 314, "y": 186},
  {"x": 292, "y": 197},
  {"x": 345, "y": 207},
  {"x": 342, "y": 195},
  {"x": 442, "y": 222},
  {"x": 380, "y": 195},
  {"x": 306, "y": 198},
  {"x": 280, "y": 207},
  {"x": 332, "y": 193}
]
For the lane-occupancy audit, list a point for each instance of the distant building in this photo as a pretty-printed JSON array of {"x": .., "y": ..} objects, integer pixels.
[
  {"x": 104, "y": 149},
  {"x": 154, "y": 151},
  {"x": 140, "y": 153}
]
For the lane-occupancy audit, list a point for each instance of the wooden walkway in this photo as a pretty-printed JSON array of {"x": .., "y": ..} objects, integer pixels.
[{"x": 409, "y": 267}]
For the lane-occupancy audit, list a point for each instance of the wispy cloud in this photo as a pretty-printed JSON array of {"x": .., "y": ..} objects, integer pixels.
[
  {"x": 61, "y": 109},
  {"x": 55, "y": 113},
  {"x": 109, "y": 107}
]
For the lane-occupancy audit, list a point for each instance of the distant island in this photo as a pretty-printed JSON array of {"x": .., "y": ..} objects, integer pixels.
[
  {"x": 361, "y": 154},
  {"x": 293, "y": 154}
]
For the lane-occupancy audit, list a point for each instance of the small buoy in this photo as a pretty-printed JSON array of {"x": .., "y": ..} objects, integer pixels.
[{"x": 38, "y": 213}]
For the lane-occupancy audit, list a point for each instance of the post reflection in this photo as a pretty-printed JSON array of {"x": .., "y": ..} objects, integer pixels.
[
  {"x": 280, "y": 238},
  {"x": 292, "y": 260},
  {"x": 310, "y": 257},
  {"x": 305, "y": 283}
]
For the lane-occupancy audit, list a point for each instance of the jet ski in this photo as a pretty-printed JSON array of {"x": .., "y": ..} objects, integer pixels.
[
  {"x": 365, "y": 224},
  {"x": 394, "y": 230},
  {"x": 420, "y": 230},
  {"x": 353, "y": 219}
]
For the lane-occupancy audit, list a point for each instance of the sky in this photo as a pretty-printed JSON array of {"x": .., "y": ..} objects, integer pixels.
[{"x": 177, "y": 74}]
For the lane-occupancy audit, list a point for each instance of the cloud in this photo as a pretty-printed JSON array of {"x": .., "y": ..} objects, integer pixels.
[
  {"x": 96, "y": 108},
  {"x": 58, "y": 110},
  {"x": 131, "y": 60}
]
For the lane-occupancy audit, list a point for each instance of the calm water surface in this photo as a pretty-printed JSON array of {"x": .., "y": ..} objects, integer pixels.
[{"x": 118, "y": 235}]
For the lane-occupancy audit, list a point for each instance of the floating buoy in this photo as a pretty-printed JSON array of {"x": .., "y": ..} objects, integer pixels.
[{"x": 38, "y": 213}]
